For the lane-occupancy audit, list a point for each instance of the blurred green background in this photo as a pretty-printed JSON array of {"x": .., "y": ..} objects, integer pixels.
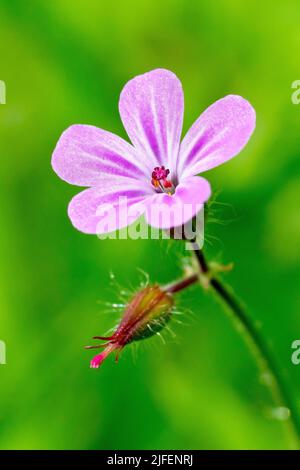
[{"x": 66, "y": 62}]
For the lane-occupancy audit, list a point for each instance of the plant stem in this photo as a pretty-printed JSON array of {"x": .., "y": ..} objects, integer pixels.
[
  {"x": 269, "y": 369},
  {"x": 181, "y": 284}
]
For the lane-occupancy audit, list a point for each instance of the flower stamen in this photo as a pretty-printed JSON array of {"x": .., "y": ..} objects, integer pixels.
[{"x": 159, "y": 180}]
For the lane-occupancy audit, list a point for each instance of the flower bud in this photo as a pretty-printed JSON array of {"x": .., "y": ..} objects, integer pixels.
[{"x": 147, "y": 313}]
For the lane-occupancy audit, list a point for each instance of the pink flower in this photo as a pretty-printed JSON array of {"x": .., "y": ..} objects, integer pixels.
[{"x": 156, "y": 170}]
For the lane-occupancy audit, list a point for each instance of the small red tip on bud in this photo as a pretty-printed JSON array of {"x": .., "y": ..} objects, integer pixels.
[
  {"x": 146, "y": 314},
  {"x": 97, "y": 360}
]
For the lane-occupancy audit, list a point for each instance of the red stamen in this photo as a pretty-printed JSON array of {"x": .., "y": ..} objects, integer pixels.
[
  {"x": 167, "y": 184},
  {"x": 159, "y": 178}
]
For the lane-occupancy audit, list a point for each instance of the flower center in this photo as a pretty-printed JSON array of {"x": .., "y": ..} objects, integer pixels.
[{"x": 160, "y": 180}]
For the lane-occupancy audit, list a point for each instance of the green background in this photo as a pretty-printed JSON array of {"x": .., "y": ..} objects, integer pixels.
[{"x": 66, "y": 62}]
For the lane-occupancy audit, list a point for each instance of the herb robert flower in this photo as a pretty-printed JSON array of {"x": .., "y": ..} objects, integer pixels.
[{"x": 156, "y": 169}]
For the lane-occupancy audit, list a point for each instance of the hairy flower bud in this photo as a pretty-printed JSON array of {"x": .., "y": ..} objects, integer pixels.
[{"x": 147, "y": 313}]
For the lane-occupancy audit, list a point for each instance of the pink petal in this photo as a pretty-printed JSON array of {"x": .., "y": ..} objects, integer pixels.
[
  {"x": 97, "y": 211},
  {"x": 219, "y": 134},
  {"x": 151, "y": 108},
  {"x": 86, "y": 155},
  {"x": 164, "y": 211}
]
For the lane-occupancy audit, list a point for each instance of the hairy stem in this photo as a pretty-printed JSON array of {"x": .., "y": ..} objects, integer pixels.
[
  {"x": 181, "y": 284},
  {"x": 270, "y": 371}
]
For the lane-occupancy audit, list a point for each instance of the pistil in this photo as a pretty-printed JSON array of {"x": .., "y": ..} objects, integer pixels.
[{"x": 160, "y": 180}]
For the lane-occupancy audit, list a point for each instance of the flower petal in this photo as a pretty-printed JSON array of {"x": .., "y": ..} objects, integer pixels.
[
  {"x": 219, "y": 134},
  {"x": 85, "y": 155},
  {"x": 164, "y": 211},
  {"x": 151, "y": 108},
  {"x": 95, "y": 211}
]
